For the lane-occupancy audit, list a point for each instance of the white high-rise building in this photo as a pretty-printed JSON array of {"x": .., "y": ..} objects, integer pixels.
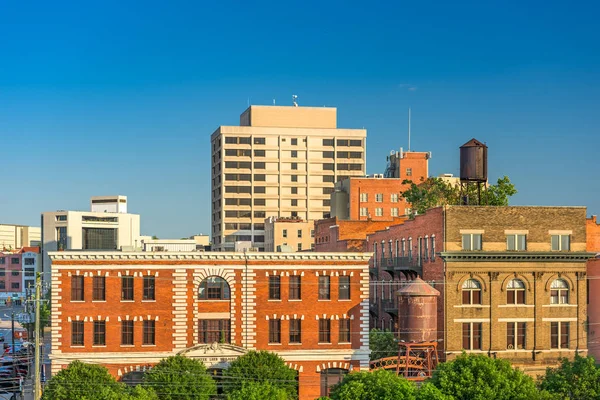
[{"x": 282, "y": 162}]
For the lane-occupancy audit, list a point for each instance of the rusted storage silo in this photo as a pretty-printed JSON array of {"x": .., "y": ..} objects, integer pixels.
[
  {"x": 417, "y": 311},
  {"x": 473, "y": 161}
]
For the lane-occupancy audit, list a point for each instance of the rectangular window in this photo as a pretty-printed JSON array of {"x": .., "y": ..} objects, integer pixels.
[
  {"x": 149, "y": 334},
  {"x": 274, "y": 331},
  {"x": 515, "y": 335},
  {"x": 149, "y": 288},
  {"x": 294, "y": 166},
  {"x": 408, "y": 171},
  {"x": 394, "y": 211},
  {"x": 324, "y": 289},
  {"x": 15, "y": 273},
  {"x": 559, "y": 335},
  {"x": 14, "y": 260},
  {"x": 99, "y": 288},
  {"x": 342, "y": 142},
  {"x": 99, "y": 333},
  {"x": 344, "y": 330},
  {"x": 294, "y": 142},
  {"x": 2, "y": 260},
  {"x": 2, "y": 285},
  {"x": 471, "y": 241},
  {"x": 472, "y": 336},
  {"x": 324, "y": 331},
  {"x": 299, "y": 233},
  {"x": 244, "y": 140},
  {"x": 127, "y": 333},
  {"x": 274, "y": 288},
  {"x": 394, "y": 197},
  {"x": 259, "y": 153},
  {"x": 77, "y": 288},
  {"x": 433, "y": 248},
  {"x": 344, "y": 289},
  {"x": 214, "y": 330},
  {"x": 516, "y": 242},
  {"x": 295, "y": 287},
  {"x": 294, "y": 203},
  {"x": 327, "y": 142},
  {"x": 15, "y": 285},
  {"x": 356, "y": 143},
  {"x": 294, "y": 178},
  {"x": 99, "y": 238},
  {"x": 127, "y": 288},
  {"x": 364, "y": 212},
  {"x": 295, "y": 330},
  {"x": 328, "y": 178},
  {"x": 294, "y": 153},
  {"x": 379, "y": 197},
  {"x": 30, "y": 261},
  {"x": 77, "y": 333},
  {"x": 299, "y": 246},
  {"x": 284, "y": 233},
  {"x": 561, "y": 242},
  {"x": 379, "y": 212},
  {"x": 260, "y": 177},
  {"x": 364, "y": 197}
]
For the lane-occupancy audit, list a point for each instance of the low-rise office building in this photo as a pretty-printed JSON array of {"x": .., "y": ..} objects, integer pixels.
[
  {"x": 128, "y": 310},
  {"x": 289, "y": 234}
]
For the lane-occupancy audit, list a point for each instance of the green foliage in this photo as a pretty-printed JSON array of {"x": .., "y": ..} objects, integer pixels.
[
  {"x": 81, "y": 381},
  {"x": 260, "y": 366},
  {"x": 180, "y": 378},
  {"x": 382, "y": 343},
  {"x": 578, "y": 379},
  {"x": 428, "y": 391},
  {"x": 478, "y": 377},
  {"x": 377, "y": 385},
  {"x": 259, "y": 391},
  {"x": 434, "y": 192}
]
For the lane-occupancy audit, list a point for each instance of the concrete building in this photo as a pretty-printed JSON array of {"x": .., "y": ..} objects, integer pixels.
[
  {"x": 511, "y": 279},
  {"x": 90, "y": 230},
  {"x": 291, "y": 233},
  {"x": 282, "y": 162},
  {"x": 17, "y": 272},
  {"x": 127, "y": 311},
  {"x": 13, "y": 237},
  {"x": 169, "y": 245}
]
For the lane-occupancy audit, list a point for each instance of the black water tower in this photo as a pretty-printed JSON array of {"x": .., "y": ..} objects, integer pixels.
[{"x": 473, "y": 168}]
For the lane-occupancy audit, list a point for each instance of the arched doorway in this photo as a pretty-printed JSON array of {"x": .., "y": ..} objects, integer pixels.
[{"x": 331, "y": 377}]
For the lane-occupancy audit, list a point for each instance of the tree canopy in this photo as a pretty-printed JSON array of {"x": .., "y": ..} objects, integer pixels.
[
  {"x": 259, "y": 367},
  {"x": 81, "y": 381},
  {"x": 377, "y": 385},
  {"x": 479, "y": 377},
  {"x": 180, "y": 378},
  {"x": 259, "y": 391},
  {"x": 435, "y": 192},
  {"x": 578, "y": 379},
  {"x": 382, "y": 343}
]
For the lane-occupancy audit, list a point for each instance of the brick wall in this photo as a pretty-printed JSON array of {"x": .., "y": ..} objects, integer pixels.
[
  {"x": 593, "y": 234},
  {"x": 593, "y": 279},
  {"x": 391, "y": 197},
  {"x": 334, "y": 235}
]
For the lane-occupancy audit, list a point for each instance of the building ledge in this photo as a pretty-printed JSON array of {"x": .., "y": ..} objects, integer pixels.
[{"x": 510, "y": 256}]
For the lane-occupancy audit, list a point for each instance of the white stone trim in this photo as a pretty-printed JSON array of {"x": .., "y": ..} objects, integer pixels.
[{"x": 567, "y": 319}]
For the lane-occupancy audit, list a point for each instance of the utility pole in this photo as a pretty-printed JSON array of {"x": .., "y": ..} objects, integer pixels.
[
  {"x": 14, "y": 353},
  {"x": 37, "y": 385}
]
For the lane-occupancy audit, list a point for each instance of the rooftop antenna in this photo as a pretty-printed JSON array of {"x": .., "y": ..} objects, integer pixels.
[
  {"x": 248, "y": 101},
  {"x": 273, "y": 101},
  {"x": 295, "y": 100},
  {"x": 409, "y": 129}
]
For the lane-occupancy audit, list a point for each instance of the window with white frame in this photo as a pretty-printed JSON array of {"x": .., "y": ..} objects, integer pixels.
[
  {"x": 426, "y": 250},
  {"x": 559, "y": 292},
  {"x": 559, "y": 335},
  {"x": 394, "y": 197},
  {"x": 515, "y": 292},
  {"x": 379, "y": 197},
  {"x": 364, "y": 212},
  {"x": 516, "y": 242},
  {"x": 364, "y": 197},
  {"x": 394, "y": 211},
  {"x": 471, "y": 292},
  {"x": 403, "y": 247},
  {"x": 560, "y": 242},
  {"x": 471, "y": 241},
  {"x": 516, "y": 334},
  {"x": 379, "y": 212},
  {"x": 432, "y": 248},
  {"x": 472, "y": 336}
]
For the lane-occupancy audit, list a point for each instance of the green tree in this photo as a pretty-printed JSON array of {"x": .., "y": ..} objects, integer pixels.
[
  {"x": 259, "y": 391},
  {"x": 382, "y": 343},
  {"x": 260, "y": 366},
  {"x": 180, "y": 378},
  {"x": 435, "y": 192},
  {"x": 428, "y": 391},
  {"x": 377, "y": 385},
  {"x": 478, "y": 377},
  {"x": 578, "y": 379},
  {"x": 81, "y": 381}
]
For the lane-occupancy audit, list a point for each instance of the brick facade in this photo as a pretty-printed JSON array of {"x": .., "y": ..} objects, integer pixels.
[
  {"x": 177, "y": 309},
  {"x": 335, "y": 235},
  {"x": 593, "y": 276},
  {"x": 492, "y": 267}
]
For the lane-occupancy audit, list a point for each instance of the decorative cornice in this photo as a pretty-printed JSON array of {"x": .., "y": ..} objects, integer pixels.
[
  {"x": 516, "y": 256},
  {"x": 62, "y": 256}
]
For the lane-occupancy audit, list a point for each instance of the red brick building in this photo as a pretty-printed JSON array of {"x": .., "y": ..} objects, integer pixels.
[
  {"x": 335, "y": 235},
  {"x": 127, "y": 311},
  {"x": 593, "y": 279}
]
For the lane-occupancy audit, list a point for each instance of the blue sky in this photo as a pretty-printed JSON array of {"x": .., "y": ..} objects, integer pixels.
[{"x": 120, "y": 97}]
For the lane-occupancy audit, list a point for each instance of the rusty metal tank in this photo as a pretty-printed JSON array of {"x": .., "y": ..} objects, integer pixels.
[
  {"x": 417, "y": 311},
  {"x": 473, "y": 161}
]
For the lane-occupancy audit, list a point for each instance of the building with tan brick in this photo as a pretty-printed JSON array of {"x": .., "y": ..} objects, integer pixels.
[
  {"x": 128, "y": 310},
  {"x": 280, "y": 161},
  {"x": 512, "y": 280},
  {"x": 289, "y": 234}
]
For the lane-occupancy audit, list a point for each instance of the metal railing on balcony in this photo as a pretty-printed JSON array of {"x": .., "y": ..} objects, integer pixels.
[
  {"x": 389, "y": 306},
  {"x": 406, "y": 265}
]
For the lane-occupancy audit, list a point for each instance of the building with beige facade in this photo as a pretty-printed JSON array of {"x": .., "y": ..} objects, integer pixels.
[
  {"x": 282, "y": 162},
  {"x": 289, "y": 234},
  {"x": 14, "y": 237}
]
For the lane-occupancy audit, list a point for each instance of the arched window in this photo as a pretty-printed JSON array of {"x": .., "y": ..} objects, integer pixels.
[
  {"x": 214, "y": 288},
  {"x": 331, "y": 377},
  {"x": 515, "y": 292},
  {"x": 471, "y": 292},
  {"x": 559, "y": 292}
]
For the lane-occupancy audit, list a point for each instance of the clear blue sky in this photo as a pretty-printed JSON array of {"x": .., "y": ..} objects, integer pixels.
[{"x": 120, "y": 97}]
